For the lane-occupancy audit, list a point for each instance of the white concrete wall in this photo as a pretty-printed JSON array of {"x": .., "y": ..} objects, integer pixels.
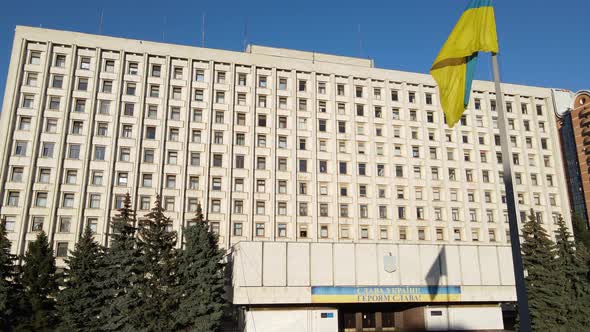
[
  {"x": 459, "y": 318},
  {"x": 267, "y": 272},
  {"x": 235, "y": 225},
  {"x": 294, "y": 320},
  {"x": 476, "y": 318}
]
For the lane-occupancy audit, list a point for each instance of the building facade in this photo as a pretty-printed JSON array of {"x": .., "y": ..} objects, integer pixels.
[
  {"x": 277, "y": 145},
  {"x": 575, "y": 137}
]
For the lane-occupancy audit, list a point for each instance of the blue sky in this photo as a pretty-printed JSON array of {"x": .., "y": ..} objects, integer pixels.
[{"x": 542, "y": 42}]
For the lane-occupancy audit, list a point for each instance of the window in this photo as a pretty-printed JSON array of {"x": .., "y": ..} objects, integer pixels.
[
  {"x": 302, "y": 211},
  {"x": 57, "y": 82},
  {"x": 259, "y": 229},
  {"x": 282, "y": 230},
  {"x": 132, "y": 68},
  {"x": 322, "y": 125},
  {"x": 80, "y": 106},
  {"x": 60, "y": 60},
  {"x": 238, "y": 206},
  {"x": 47, "y": 149},
  {"x": 62, "y": 249},
  {"x": 74, "y": 151},
  {"x": 302, "y": 85},
  {"x": 358, "y": 91},
  {"x": 82, "y": 84},
  {"x": 122, "y": 178},
  {"x": 261, "y": 120},
  {"x": 71, "y": 176},
  {"x": 128, "y": 109},
  {"x": 94, "y": 201},
  {"x": 262, "y": 81},
  {"x": 324, "y": 231},
  {"x": 322, "y": 88},
  {"x": 97, "y": 177},
  {"x": 282, "y": 187},
  {"x": 77, "y": 127},
  {"x": 242, "y": 79},
  {"x": 261, "y": 140},
  {"x": 150, "y": 132},
  {"x": 44, "y": 175},
  {"x": 169, "y": 203},
  {"x": 302, "y": 165},
  {"x": 35, "y": 58},
  {"x": 364, "y": 233},
  {"x": 259, "y": 207},
  {"x": 282, "y": 83},
  {"x": 68, "y": 200},
  {"x": 302, "y": 105},
  {"x": 104, "y": 107},
  {"x": 99, "y": 152},
  {"x": 170, "y": 181},
  {"x": 340, "y": 89},
  {"x": 85, "y": 63},
  {"x": 195, "y": 159},
  {"x": 17, "y": 174},
  {"x": 200, "y": 75},
  {"x": 220, "y": 97},
  {"x": 154, "y": 91},
  {"x": 41, "y": 199},
  {"x": 13, "y": 197},
  {"x": 177, "y": 73},
  {"x": 216, "y": 184},
  {"x": 54, "y": 103},
  {"x": 193, "y": 182},
  {"x": 199, "y": 95},
  {"x": 237, "y": 231},
  {"x": 217, "y": 160},
  {"x": 28, "y": 101}
]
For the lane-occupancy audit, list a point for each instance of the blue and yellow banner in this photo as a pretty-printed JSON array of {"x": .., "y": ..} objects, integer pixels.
[
  {"x": 454, "y": 66},
  {"x": 323, "y": 294}
]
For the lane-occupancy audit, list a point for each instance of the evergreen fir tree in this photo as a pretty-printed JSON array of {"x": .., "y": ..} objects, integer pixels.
[
  {"x": 544, "y": 281},
  {"x": 582, "y": 287},
  {"x": 567, "y": 265},
  {"x": 121, "y": 275},
  {"x": 157, "y": 245},
  {"x": 10, "y": 292},
  {"x": 581, "y": 232},
  {"x": 40, "y": 286},
  {"x": 79, "y": 304},
  {"x": 200, "y": 279}
]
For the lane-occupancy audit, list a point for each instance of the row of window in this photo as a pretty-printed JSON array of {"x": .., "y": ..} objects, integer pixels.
[
  {"x": 303, "y": 208},
  {"x": 132, "y": 68},
  {"x": 124, "y": 155},
  {"x": 364, "y": 232}
]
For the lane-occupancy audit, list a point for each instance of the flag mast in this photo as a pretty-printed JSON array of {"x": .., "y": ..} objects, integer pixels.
[{"x": 521, "y": 293}]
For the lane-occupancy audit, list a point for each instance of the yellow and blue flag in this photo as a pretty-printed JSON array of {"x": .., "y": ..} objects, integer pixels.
[{"x": 454, "y": 66}]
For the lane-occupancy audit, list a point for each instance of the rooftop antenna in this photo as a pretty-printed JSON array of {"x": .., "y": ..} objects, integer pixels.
[
  {"x": 360, "y": 41},
  {"x": 203, "y": 30},
  {"x": 246, "y": 34},
  {"x": 164, "y": 29},
  {"x": 100, "y": 22}
]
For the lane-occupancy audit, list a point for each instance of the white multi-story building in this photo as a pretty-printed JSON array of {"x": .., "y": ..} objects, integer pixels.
[{"x": 277, "y": 145}]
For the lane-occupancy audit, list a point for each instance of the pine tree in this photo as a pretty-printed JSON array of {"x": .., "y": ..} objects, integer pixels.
[
  {"x": 10, "y": 292},
  {"x": 581, "y": 232},
  {"x": 40, "y": 286},
  {"x": 157, "y": 245},
  {"x": 543, "y": 280},
  {"x": 122, "y": 274},
  {"x": 568, "y": 266},
  {"x": 200, "y": 279},
  {"x": 78, "y": 303}
]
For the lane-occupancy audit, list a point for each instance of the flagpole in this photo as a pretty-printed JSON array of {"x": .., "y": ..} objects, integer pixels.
[{"x": 521, "y": 294}]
